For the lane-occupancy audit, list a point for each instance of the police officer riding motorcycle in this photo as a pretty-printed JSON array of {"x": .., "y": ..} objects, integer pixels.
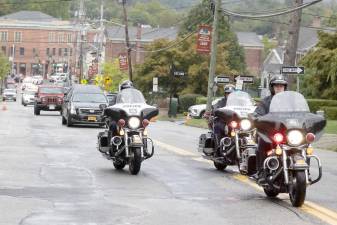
[{"x": 126, "y": 141}]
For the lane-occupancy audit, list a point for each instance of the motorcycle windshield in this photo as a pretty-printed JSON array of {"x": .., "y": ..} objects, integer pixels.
[
  {"x": 289, "y": 101},
  {"x": 130, "y": 95},
  {"x": 239, "y": 98}
]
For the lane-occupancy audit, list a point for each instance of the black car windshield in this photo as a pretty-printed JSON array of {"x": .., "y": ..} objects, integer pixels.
[
  {"x": 89, "y": 97},
  {"x": 289, "y": 101},
  {"x": 130, "y": 95},
  {"x": 239, "y": 98},
  {"x": 46, "y": 90}
]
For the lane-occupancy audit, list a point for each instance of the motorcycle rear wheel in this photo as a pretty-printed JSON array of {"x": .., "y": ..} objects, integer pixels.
[
  {"x": 220, "y": 166},
  {"x": 298, "y": 188},
  {"x": 135, "y": 161}
]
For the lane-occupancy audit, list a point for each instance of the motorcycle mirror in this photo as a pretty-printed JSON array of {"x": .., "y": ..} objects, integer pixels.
[
  {"x": 102, "y": 107},
  {"x": 320, "y": 113}
]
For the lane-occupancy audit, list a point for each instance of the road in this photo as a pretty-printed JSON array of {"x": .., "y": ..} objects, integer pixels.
[{"x": 52, "y": 174}]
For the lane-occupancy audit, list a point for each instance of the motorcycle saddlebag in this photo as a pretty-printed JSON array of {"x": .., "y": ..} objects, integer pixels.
[
  {"x": 103, "y": 141},
  {"x": 206, "y": 144}
]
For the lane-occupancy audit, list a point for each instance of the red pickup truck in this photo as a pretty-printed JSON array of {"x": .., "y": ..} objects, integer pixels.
[{"x": 48, "y": 98}]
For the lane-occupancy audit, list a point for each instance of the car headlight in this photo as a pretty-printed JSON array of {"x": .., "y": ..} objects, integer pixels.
[
  {"x": 134, "y": 123},
  {"x": 72, "y": 109},
  {"x": 295, "y": 137},
  {"x": 245, "y": 125}
]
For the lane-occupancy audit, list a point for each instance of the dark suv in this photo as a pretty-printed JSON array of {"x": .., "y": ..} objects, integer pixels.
[
  {"x": 48, "y": 98},
  {"x": 82, "y": 105}
]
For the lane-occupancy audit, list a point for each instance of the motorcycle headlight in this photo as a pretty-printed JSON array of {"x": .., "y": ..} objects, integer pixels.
[
  {"x": 134, "y": 123},
  {"x": 295, "y": 137},
  {"x": 245, "y": 125}
]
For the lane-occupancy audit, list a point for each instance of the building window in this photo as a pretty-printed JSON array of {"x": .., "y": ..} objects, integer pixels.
[
  {"x": 60, "y": 51},
  {"x": 22, "y": 51},
  {"x": 66, "y": 52},
  {"x": 34, "y": 52},
  {"x": 52, "y": 37},
  {"x": 18, "y": 37},
  {"x": 54, "y": 51},
  {"x": 47, "y": 51},
  {"x": 61, "y": 37},
  {"x": 69, "y": 38},
  {"x": 11, "y": 51},
  {"x": 4, "y": 36},
  {"x": 71, "y": 52},
  {"x": 4, "y": 50}
]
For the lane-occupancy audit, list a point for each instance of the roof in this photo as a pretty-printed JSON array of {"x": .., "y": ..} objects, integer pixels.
[
  {"x": 29, "y": 16},
  {"x": 249, "y": 39},
  {"x": 308, "y": 38},
  {"x": 148, "y": 34}
]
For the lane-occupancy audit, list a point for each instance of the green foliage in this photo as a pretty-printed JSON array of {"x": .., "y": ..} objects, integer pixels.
[
  {"x": 321, "y": 66},
  {"x": 330, "y": 112},
  {"x": 112, "y": 71},
  {"x": 185, "y": 101},
  {"x": 4, "y": 66},
  {"x": 318, "y": 104}
]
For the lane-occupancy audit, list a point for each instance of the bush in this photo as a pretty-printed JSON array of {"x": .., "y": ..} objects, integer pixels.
[
  {"x": 330, "y": 112},
  {"x": 185, "y": 101},
  {"x": 201, "y": 100},
  {"x": 319, "y": 104}
]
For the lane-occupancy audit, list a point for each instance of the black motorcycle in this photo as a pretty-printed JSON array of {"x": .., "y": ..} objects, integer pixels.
[
  {"x": 290, "y": 129},
  {"x": 236, "y": 146},
  {"x": 126, "y": 140}
]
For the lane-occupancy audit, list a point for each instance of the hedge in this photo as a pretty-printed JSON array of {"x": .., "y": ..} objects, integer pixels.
[
  {"x": 185, "y": 101},
  {"x": 330, "y": 112},
  {"x": 319, "y": 104}
]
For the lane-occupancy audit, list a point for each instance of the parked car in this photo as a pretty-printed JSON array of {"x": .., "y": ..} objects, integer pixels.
[
  {"x": 197, "y": 111},
  {"x": 28, "y": 97},
  {"x": 82, "y": 105},
  {"x": 26, "y": 82},
  {"x": 48, "y": 98},
  {"x": 9, "y": 94},
  {"x": 37, "y": 79}
]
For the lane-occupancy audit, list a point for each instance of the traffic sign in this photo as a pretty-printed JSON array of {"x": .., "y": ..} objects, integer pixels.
[
  {"x": 222, "y": 80},
  {"x": 123, "y": 61},
  {"x": 179, "y": 73},
  {"x": 245, "y": 79},
  {"x": 293, "y": 69}
]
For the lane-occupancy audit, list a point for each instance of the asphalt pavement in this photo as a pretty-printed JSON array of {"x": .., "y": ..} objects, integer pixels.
[{"x": 53, "y": 175}]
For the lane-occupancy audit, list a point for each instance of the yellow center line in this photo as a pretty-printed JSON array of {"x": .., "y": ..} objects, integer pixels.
[{"x": 326, "y": 215}]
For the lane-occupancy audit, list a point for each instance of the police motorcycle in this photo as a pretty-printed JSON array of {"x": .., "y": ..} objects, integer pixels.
[
  {"x": 238, "y": 146},
  {"x": 291, "y": 129},
  {"x": 125, "y": 141}
]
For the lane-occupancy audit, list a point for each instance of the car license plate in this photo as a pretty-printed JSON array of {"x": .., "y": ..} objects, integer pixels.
[
  {"x": 92, "y": 118},
  {"x": 52, "y": 107}
]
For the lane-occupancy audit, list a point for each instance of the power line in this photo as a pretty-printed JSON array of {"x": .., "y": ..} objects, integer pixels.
[
  {"x": 175, "y": 43},
  {"x": 230, "y": 13},
  {"x": 34, "y": 2}
]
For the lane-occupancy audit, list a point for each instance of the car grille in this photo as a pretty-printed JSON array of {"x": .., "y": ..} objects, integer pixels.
[
  {"x": 51, "y": 100},
  {"x": 90, "y": 111}
]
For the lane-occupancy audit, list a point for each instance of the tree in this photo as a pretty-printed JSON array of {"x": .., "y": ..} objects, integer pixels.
[
  {"x": 113, "y": 76},
  {"x": 4, "y": 68},
  {"x": 321, "y": 68}
]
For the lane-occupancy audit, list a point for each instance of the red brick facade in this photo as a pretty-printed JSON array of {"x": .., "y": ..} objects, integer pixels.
[
  {"x": 113, "y": 49},
  {"x": 254, "y": 59}
]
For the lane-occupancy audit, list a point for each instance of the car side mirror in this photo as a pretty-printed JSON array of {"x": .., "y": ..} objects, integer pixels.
[{"x": 36, "y": 95}]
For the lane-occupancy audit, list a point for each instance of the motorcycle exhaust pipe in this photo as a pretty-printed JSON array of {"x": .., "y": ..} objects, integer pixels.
[
  {"x": 226, "y": 141},
  {"x": 272, "y": 163},
  {"x": 117, "y": 141}
]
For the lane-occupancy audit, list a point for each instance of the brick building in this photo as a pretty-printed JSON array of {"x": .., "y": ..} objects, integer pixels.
[
  {"x": 253, "y": 48},
  {"x": 37, "y": 43}
]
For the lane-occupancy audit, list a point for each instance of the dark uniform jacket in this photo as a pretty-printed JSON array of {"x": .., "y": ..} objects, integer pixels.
[
  {"x": 220, "y": 104},
  {"x": 263, "y": 107}
]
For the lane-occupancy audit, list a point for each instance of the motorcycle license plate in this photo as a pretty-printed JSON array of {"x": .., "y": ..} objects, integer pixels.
[
  {"x": 92, "y": 118},
  {"x": 52, "y": 107},
  {"x": 137, "y": 139}
]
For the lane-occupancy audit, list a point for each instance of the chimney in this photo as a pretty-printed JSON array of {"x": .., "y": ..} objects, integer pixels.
[{"x": 316, "y": 22}]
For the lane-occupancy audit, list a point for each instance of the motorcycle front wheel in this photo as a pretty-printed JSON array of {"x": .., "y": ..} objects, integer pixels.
[
  {"x": 135, "y": 161},
  {"x": 297, "y": 189}
]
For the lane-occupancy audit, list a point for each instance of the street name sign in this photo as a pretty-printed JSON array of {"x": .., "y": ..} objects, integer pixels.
[
  {"x": 179, "y": 73},
  {"x": 245, "y": 79},
  {"x": 222, "y": 79},
  {"x": 293, "y": 69}
]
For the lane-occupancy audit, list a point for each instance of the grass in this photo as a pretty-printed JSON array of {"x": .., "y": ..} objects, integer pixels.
[
  {"x": 331, "y": 127},
  {"x": 172, "y": 119}
]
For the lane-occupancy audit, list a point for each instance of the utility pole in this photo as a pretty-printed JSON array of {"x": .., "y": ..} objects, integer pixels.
[
  {"x": 127, "y": 39},
  {"x": 81, "y": 19},
  {"x": 292, "y": 42},
  {"x": 213, "y": 55},
  {"x": 101, "y": 39}
]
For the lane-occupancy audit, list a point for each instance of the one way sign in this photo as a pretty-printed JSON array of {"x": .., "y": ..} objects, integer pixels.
[{"x": 293, "y": 69}]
